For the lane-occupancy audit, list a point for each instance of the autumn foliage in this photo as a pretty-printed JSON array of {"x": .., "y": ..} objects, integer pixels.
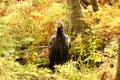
[{"x": 26, "y": 27}]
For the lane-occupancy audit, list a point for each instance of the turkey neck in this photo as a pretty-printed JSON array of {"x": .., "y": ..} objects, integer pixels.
[
  {"x": 60, "y": 31},
  {"x": 60, "y": 34}
]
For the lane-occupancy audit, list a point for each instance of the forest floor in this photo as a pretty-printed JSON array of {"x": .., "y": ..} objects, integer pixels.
[{"x": 26, "y": 27}]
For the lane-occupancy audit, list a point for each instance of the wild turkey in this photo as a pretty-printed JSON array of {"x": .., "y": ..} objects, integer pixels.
[{"x": 58, "y": 47}]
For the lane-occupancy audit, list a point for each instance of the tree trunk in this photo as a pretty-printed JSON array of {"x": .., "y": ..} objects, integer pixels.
[
  {"x": 76, "y": 25},
  {"x": 94, "y": 5},
  {"x": 85, "y": 3},
  {"x": 118, "y": 63}
]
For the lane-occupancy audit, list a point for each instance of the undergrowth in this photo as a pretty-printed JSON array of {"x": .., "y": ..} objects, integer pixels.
[{"x": 26, "y": 27}]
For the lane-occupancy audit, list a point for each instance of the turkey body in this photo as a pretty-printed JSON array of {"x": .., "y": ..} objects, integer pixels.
[{"x": 58, "y": 47}]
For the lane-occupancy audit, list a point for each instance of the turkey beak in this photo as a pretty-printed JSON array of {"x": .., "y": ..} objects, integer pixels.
[{"x": 59, "y": 23}]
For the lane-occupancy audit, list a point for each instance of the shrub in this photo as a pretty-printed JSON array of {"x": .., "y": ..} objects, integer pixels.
[{"x": 85, "y": 50}]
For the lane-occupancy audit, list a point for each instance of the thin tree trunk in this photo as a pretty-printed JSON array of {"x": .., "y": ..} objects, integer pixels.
[
  {"x": 94, "y": 5},
  {"x": 118, "y": 63},
  {"x": 76, "y": 25},
  {"x": 85, "y": 3}
]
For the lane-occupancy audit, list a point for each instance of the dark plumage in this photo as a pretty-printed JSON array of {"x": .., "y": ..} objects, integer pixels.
[{"x": 58, "y": 47}]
